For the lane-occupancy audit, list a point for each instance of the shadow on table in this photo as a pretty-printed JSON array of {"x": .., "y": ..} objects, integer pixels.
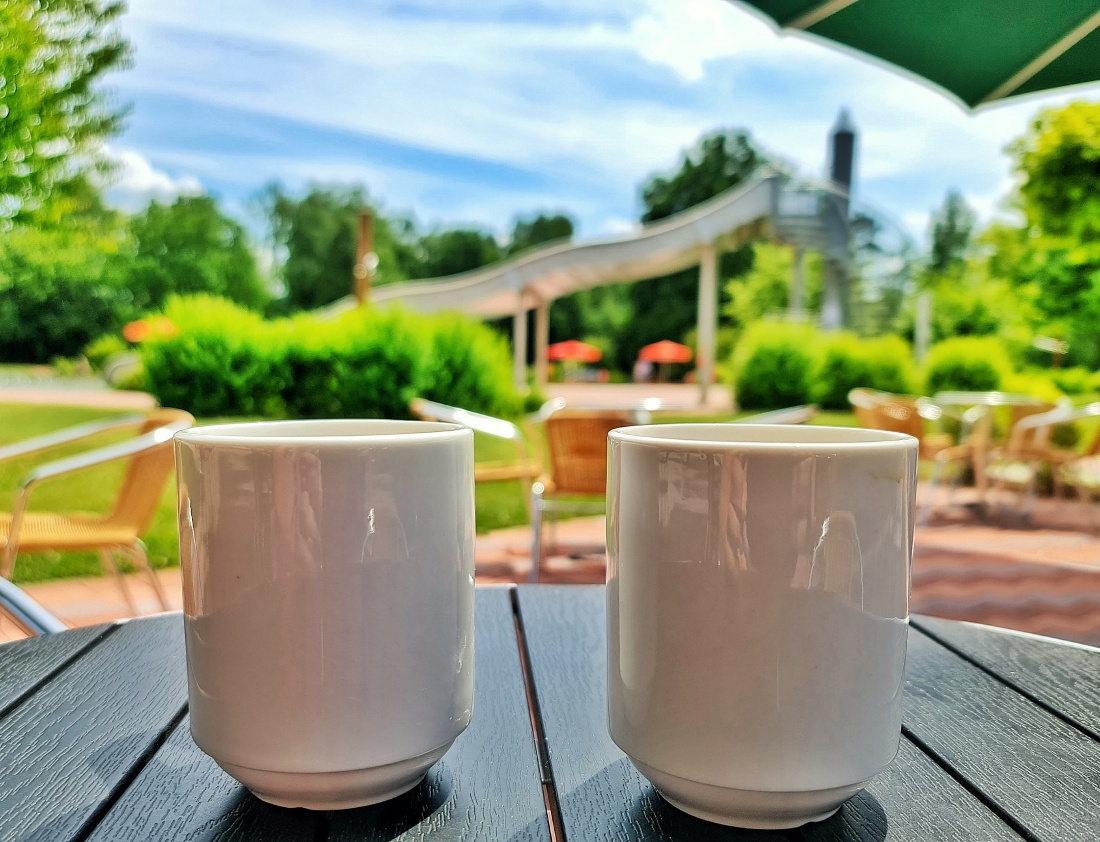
[
  {"x": 431, "y": 801},
  {"x": 861, "y": 818}
]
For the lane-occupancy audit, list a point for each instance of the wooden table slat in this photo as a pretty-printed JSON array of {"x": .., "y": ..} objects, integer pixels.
[
  {"x": 68, "y": 748},
  {"x": 1036, "y": 768},
  {"x": 598, "y": 787},
  {"x": 26, "y": 662},
  {"x": 913, "y": 800},
  {"x": 487, "y": 786},
  {"x": 1063, "y": 676},
  {"x": 183, "y": 795}
]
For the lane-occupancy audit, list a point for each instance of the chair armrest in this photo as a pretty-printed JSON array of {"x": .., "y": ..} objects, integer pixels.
[
  {"x": 102, "y": 455},
  {"x": 25, "y": 612},
  {"x": 67, "y": 435},
  {"x": 789, "y": 415}
]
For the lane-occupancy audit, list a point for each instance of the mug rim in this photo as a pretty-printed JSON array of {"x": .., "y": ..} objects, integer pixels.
[
  {"x": 312, "y": 432},
  {"x": 821, "y": 439}
]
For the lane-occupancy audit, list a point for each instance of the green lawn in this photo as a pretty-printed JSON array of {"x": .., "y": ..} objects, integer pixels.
[{"x": 498, "y": 504}]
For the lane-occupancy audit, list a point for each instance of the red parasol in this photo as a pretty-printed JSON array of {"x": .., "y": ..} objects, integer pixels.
[
  {"x": 666, "y": 352},
  {"x": 575, "y": 350}
]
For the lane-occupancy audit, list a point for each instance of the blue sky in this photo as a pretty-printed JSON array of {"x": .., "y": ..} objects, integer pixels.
[{"x": 471, "y": 114}]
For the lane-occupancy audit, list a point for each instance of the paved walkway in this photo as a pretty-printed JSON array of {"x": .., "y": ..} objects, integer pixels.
[{"x": 74, "y": 393}]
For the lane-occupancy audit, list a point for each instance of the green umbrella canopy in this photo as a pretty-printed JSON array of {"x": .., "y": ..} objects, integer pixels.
[{"x": 980, "y": 51}]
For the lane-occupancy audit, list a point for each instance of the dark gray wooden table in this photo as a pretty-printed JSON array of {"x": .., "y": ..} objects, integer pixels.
[{"x": 1001, "y": 742}]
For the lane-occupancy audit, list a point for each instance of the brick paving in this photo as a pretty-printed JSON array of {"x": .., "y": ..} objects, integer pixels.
[{"x": 93, "y": 394}]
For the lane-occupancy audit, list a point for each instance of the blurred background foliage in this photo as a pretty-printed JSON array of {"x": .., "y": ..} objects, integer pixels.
[{"x": 74, "y": 271}]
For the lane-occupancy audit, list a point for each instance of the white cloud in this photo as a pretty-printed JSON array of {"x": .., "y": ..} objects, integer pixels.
[
  {"x": 593, "y": 101},
  {"x": 136, "y": 182}
]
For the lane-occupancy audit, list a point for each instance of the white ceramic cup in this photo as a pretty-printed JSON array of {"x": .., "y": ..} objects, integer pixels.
[
  {"x": 328, "y": 581},
  {"x": 758, "y": 589}
]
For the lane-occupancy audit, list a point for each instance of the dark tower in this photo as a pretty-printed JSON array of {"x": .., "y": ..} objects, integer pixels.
[{"x": 835, "y": 307}]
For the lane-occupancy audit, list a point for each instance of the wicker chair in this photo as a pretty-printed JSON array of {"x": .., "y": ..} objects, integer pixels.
[
  {"x": 150, "y": 463},
  {"x": 576, "y": 442},
  {"x": 1015, "y": 466}
]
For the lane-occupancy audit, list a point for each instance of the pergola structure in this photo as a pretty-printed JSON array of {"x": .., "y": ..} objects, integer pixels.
[
  {"x": 532, "y": 281},
  {"x": 808, "y": 217}
]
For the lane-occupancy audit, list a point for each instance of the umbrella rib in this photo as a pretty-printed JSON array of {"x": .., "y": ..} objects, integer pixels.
[
  {"x": 1045, "y": 58},
  {"x": 819, "y": 13}
]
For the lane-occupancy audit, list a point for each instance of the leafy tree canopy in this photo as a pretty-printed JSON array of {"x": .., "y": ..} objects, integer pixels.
[
  {"x": 186, "y": 248},
  {"x": 666, "y": 308},
  {"x": 719, "y": 161},
  {"x": 542, "y": 228},
  {"x": 766, "y": 287},
  {"x": 1059, "y": 159},
  {"x": 952, "y": 228},
  {"x": 453, "y": 250},
  {"x": 315, "y": 238},
  {"x": 1059, "y": 252},
  {"x": 53, "y": 114}
]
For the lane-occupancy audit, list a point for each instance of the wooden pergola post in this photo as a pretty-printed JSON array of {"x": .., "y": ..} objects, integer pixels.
[
  {"x": 542, "y": 342},
  {"x": 707, "y": 319},
  {"x": 519, "y": 346},
  {"x": 366, "y": 261}
]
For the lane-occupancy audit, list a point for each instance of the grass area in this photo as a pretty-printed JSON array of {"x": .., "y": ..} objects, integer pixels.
[{"x": 498, "y": 505}]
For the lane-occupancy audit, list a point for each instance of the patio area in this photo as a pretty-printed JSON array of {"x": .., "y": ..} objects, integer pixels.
[{"x": 1041, "y": 576}]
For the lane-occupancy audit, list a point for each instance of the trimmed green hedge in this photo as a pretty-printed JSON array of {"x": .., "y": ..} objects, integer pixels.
[
  {"x": 367, "y": 363},
  {"x": 779, "y": 364},
  {"x": 967, "y": 363},
  {"x": 774, "y": 364}
]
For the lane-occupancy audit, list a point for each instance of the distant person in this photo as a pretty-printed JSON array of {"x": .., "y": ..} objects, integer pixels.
[{"x": 643, "y": 371}]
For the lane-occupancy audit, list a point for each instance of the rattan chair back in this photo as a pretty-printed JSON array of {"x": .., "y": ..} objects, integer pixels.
[{"x": 577, "y": 445}]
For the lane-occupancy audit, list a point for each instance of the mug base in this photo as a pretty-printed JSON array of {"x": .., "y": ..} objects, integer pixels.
[
  {"x": 747, "y": 808},
  {"x": 336, "y": 790}
]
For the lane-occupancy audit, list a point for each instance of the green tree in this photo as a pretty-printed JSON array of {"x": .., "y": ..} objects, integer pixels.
[
  {"x": 766, "y": 287},
  {"x": 719, "y": 161},
  {"x": 666, "y": 308},
  {"x": 57, "y": 293},
  {"x": 1059, "y": 161},
  {"x": 53, "y": 112},
  {"x": 542, "y": 228},
  {"x": 453, "y": 250},
  {"x": 315, "y": 239},
  {"x": 187, "y": 248},
  {"x": 952, "y": 228}
]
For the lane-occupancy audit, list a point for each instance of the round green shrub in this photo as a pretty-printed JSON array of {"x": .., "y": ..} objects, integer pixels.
[
  {"x": 966, "y": 363},
  {"x": 1073, "y": 381},
  {"x": 99, "y": 352},
  {"x": 843, "y": 365},
  {"x": 469, "y": 365},
  {"x": 891, "y": 361},
  {"x": 774, "y": 364}
]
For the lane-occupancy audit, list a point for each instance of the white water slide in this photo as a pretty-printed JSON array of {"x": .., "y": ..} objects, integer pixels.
[{"x": 760, "y": 208}]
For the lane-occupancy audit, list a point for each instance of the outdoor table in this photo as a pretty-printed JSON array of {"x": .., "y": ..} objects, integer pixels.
[{"x": 1001, "y": 741}]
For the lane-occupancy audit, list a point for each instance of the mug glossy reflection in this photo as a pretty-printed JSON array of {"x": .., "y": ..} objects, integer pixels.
[
  {"x": 328, "y": 602},
  {"x": 758, "y": 583}
]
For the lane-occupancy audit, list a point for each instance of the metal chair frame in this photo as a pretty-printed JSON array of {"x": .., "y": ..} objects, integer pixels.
[{"x": 162, "y": 424}]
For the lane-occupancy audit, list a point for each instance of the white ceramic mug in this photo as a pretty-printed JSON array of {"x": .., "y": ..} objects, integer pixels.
[
  {"x": 328, "y": 578},
  {"x": 758, "y": 587}
]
